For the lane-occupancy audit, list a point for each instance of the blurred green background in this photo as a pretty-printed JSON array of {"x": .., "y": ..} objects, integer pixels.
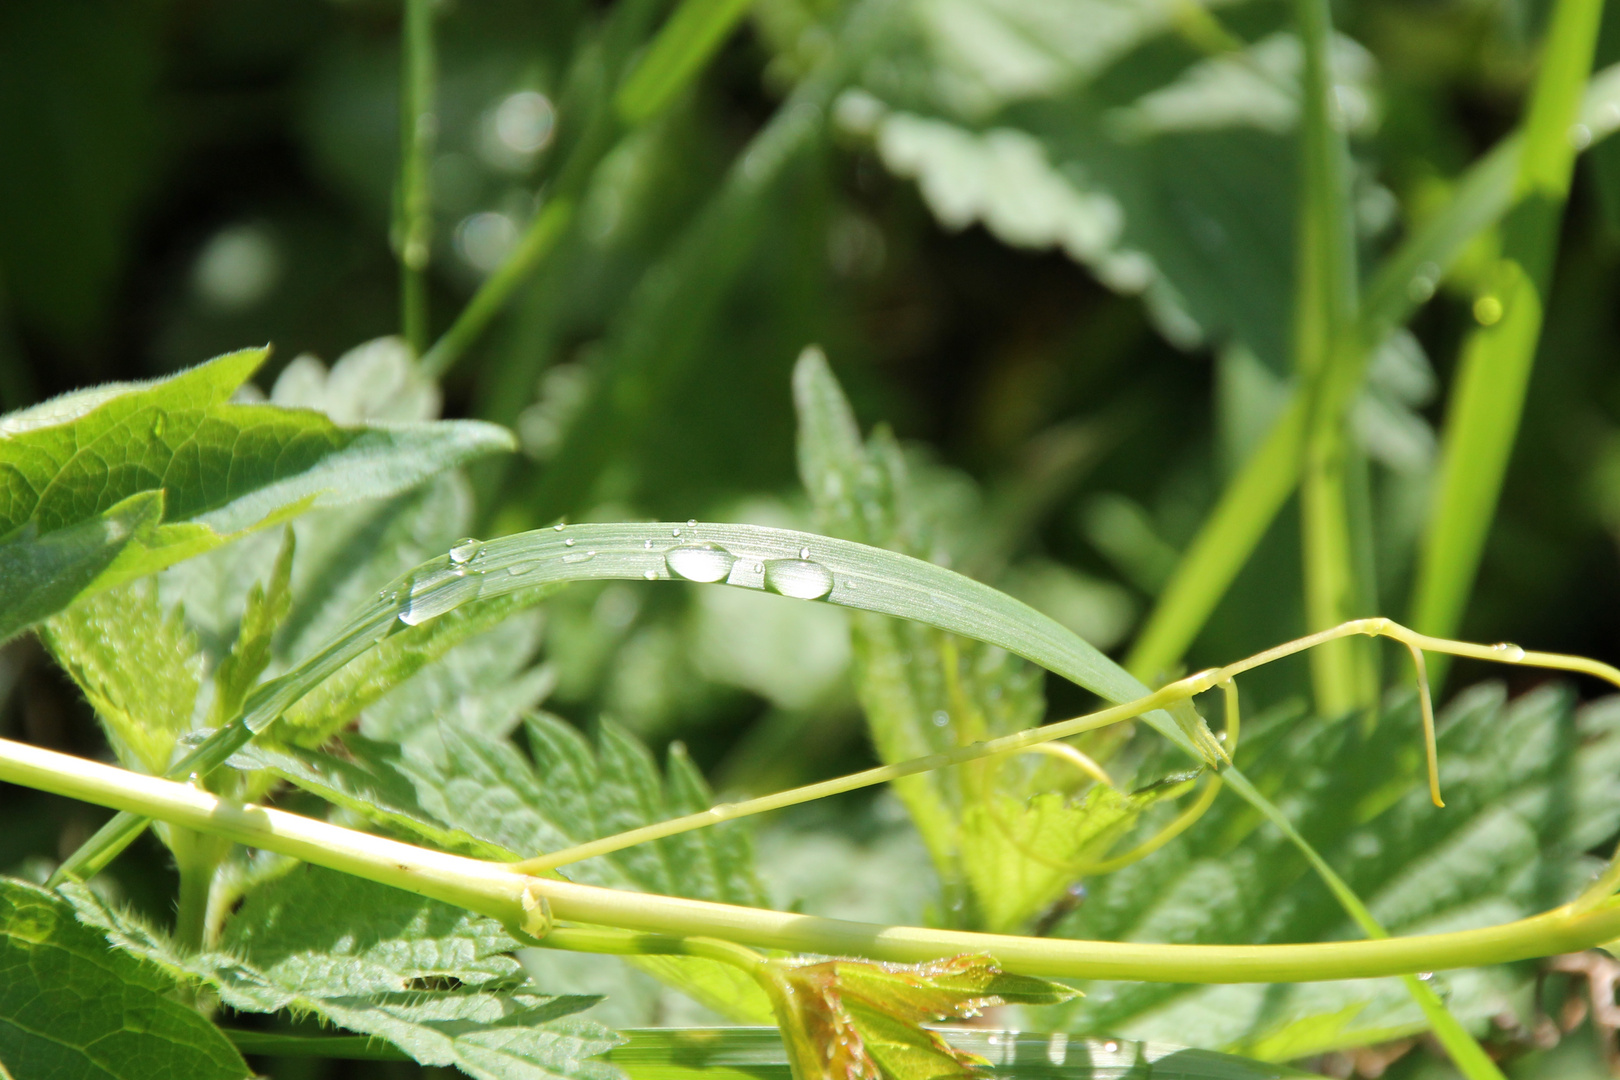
[{"x": 1050, "y": 241}]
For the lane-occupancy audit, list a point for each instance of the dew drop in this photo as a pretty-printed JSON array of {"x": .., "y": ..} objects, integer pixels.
[
  {"x": 941, "y": 718},
  {"x": 519, "y": 569},
  {"x": 804, "y": 553},
  {"x": 1425, "y": 976},
  {"x": 1111, "y": 1047},
  {"x": 674, "y": 532},
  {"x": 570, "y": 542},
  {"x": 650, "y": 575},
  {"x": 1488, "y": 310},
  {"x": 435, "y": 592},
  {"x": 700, "y": 562},
  {"x": 579, "y": 556},
  {"x": 560, "y": 525},
  {"x": 464, "y": 550},
  {"x": 1508, "y": 650},
  {"x": 159, "y": 422},
  {"x": 646, "y": 545},
  {"x": 798, "y": 578},
  {"x": 691, "y": 523}
]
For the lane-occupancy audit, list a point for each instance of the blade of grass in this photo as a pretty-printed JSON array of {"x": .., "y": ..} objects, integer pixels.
[
  {"x": 1404, "y": 281},
  {"x": 678, "y": 54},
  {"x": 1325, "y": 310},
  {"x": 1482, "y": 420},
  {"x": 418, "y": 123}
]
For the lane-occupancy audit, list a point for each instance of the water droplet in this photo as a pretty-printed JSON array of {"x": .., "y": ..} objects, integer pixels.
[
  {"x": 1111, "y": 1047},
  {"x": 700, "y": 562},
  {"x": 435, "y": 592},
  {"x": 1488, "y": 310},
  {"x": 463, "y": 550},
  {"x": 804, "y": 553},
  {"x": 1580, "y": 136},
  {"x": 650, "y": 575},
  {"x": 570, "y": 542},
  {"x": 159, "y": 422},
  {"x": 579, "y": 556},
  {"x": 798, "y": 578},
  {"x": 759, "y": 568},
  {"x": 646, "y": 545},
  {"x": 691, "y": 523},
  {"x": 674, "y": 532},
  {"x": 1508, "y": 650},
  {"x": 519, "y": 569},
  {"x": 1425, "y": 976},
  {"x": 941, "y": 718},
  {"x": 560, "y": 525}
]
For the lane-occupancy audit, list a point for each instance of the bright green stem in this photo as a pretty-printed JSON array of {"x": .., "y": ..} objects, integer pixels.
[
  {"x": 418, "y": 125},
  {"x": 1252, "y": 499},
  {"x": 196, "y": 881},
  {"x": 1482, "y": 420},
  {"x": 494, "y": 889}
]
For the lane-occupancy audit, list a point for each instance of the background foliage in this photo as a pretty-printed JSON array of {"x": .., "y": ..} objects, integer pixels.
[{"x": 1048, "y": 247}]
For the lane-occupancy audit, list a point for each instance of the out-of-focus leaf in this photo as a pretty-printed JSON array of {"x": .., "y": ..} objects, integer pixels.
[
  {"x": 438, "y": 983},
  {"x": 265, "y": 611},
  {"x": 70, "y": 1006}
]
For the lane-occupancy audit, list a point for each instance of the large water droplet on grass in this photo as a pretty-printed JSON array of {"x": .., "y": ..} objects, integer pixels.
[
  {"x": 464, "y": 550},
  {"x": 435, "y": 592},
  {"x": 798, "y": 578},
  {"x": 700, "y": 562}
]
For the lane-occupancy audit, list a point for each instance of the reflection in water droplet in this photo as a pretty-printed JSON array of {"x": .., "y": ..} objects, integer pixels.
[
  {"x": 650, "y": 575},
  {"x": 798, "y": 578},
  {"x": 579, "y": 556},
  {"x": 1508, "y": 650},
  {"x": 699, "y": 562},
  {"x": 435, "y": 592},
  {"x": 463, "y": 550}
]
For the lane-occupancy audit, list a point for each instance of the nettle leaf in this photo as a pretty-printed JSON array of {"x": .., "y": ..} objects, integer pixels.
[
  {"x": 139, "y": 666},
  {"x": 223, "y": 468},
  {"x": 437, "y": 982},
  {"x": 70, "y": 1006},
  {"x": 1015, "y": 842},
  {"x": 856, "y": 1020},
  {"x": 475, "y": 793},
  {"x": 1163, "y": 169},
  {"x": 1530, "y": 786},
  {"x": 1021, "y": 856}
]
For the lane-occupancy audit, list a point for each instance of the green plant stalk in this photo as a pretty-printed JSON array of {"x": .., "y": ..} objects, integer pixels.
[
  {"x": 1254, "y": 496},
  {"x": 494, "y": 889},
  {"x": 1482, "y": 421},
  {"x": 677, "y": 55},
  {"x": 1325, "y": 306},
  {"x": 418, "y": 125}
]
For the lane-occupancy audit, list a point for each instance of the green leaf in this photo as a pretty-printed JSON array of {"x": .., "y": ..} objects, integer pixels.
[
  {"x": 224, "y": 468},
  {"x": 1022, "y": 855},
  {"x": 1530, "y": 787},
  {"x": 436, "y": 982},
  {"x": 69, "y": 1006},
  {"x": 139, "y": 666},
  {"x": 262, "y": 616},
  {"x": 42, "y": 574},
  {"x": 693, "y": 34}
]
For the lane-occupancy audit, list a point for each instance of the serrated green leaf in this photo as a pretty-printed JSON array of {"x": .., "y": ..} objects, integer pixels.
[
  {"x": 1530, "y": 787},
  {"x": 138, "y": 665},
  {"x": 70, "y": 1006},
  {"x": 224, "y": 468},
  {"x": 266, "y": 609},
  {"x": 436, "y": 982},
  {"x": 1021, "y": 855}
]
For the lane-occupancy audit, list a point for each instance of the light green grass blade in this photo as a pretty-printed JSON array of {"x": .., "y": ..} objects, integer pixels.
[
  {"x": 1403, "y": 282},
  {"x": 1482, "y": 420},
  {"x": 693, "y": 34}
]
